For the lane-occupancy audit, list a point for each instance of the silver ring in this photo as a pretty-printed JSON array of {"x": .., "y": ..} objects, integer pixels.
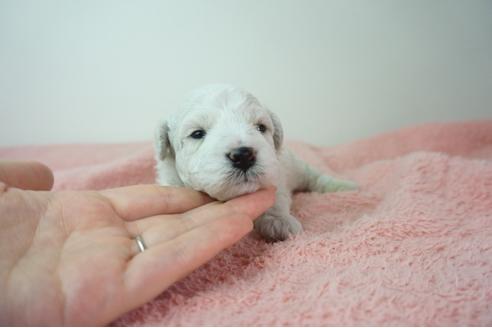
[{"x": 140, "y": 244}]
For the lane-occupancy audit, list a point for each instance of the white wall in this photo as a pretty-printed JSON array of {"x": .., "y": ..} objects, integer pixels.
[{"x": 334, "y": 71}]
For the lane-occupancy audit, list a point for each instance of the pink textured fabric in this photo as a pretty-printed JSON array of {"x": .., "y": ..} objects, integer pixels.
[{"x": 412, "y": 247}]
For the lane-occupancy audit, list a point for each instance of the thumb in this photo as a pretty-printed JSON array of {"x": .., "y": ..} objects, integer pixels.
[{"x": 26, "y": 175}]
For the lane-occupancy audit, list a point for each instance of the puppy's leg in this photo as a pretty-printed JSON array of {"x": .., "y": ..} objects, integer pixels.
[
  {"x": 316, "y": 181},
  {"x": 277, "y": 223},
  {"x": 303, "y": 177}
]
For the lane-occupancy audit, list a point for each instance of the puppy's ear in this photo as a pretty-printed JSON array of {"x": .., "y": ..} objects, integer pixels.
[
  {"x": 163, "y": 147},
  {"x": 278, "y": 133}
]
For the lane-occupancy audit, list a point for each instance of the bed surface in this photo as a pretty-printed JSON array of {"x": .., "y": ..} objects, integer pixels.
[{"x": 412, "y": 247}]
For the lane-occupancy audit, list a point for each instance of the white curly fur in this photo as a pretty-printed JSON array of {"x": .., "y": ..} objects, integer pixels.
[{"x": 230, "y": 117}]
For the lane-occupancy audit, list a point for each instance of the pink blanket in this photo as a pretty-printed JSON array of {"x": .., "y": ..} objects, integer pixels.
[{"x": 412, "y": 247}]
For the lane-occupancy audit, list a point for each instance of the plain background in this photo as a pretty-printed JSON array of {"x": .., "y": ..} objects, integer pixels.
[{"x": 334, "y": 71}]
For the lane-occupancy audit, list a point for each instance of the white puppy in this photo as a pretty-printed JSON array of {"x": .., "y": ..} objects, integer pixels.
[{"x": 225, "y": 143}]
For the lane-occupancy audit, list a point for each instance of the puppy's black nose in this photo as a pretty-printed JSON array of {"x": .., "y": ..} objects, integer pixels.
[{"x": 242, "y": 158}]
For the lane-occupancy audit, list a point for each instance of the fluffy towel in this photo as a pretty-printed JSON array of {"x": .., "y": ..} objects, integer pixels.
[{"x": 412, "y": 247}]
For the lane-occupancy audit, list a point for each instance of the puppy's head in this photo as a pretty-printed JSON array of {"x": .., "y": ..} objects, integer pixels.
[{"x": 222, "y": 142}]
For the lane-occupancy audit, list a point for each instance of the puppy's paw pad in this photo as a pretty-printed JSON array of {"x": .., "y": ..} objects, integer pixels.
[{"x": 277, "y": 229}]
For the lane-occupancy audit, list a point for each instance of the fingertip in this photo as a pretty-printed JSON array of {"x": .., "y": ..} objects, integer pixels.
[
  {"x": 45, "y": 175},
  {"x": 268, "y": 193},
  {"x": 246, "y": 223},
  {"x": 254, "y": 204},
  {"x": 30, "y": 175},
  {"x": 206, "y": 198}
]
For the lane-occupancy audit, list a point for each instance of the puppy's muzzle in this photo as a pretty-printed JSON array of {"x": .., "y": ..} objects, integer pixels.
[{"x": 242, "y": 158}]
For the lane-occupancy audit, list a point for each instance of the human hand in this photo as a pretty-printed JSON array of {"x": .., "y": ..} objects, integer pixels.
[{"x": 70, "y": 258}]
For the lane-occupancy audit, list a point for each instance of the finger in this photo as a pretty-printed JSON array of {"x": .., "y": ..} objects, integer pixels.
[
  {"x": 152, "y": 271},
  {"x": 158, "y": 229},
  {"x": 26, "y": 175},
  {"x": 136, "y": 202},
  {"x": 253, "y": 204},
  {"x": 162, "y": 228}
]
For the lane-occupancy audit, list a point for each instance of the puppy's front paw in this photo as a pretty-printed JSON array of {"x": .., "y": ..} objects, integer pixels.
[{"x": 274, "y": 228}]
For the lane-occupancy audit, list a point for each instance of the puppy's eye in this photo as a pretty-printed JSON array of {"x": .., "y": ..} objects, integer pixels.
[
  {"x": 198, "y": 134},
  {"x": 261, "y": 127}
]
